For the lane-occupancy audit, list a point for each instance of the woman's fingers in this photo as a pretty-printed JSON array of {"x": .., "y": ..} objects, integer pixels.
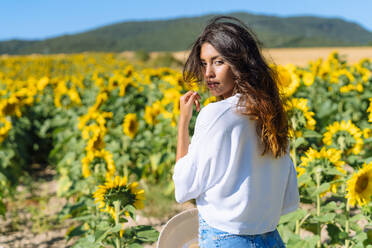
[
  {"x": 190, "y": 96},
  {"x": 186, "y": 103},
  {"x": 195, "y": 98},
  {"x": 197, "y": 105},
  {"x": 197, "y": 102},
  {"x": 186, "y": 96}
]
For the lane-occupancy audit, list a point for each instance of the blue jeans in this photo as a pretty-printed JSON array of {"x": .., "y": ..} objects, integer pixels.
[{"x": 210, "y": 237}]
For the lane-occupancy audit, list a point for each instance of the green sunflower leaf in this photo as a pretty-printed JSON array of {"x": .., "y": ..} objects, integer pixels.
[
  {"x": 300, "y": 141},
  {"x": 311, "y": 134},
  {"x": 332, "y": 171},
  {"x": 298, "y": 214},
  {"x": 135, "y": 245},
  {"x": 323, "y": 188},
  {"x": 327, "y": 218},
  {"x": 147, "y": 233},
  {"x": 76, "y": 231}
]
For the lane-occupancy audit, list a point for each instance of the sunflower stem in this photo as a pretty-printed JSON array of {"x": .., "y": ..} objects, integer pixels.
[
  {"x": 317, "y": 178},
  {"x": 340, "y": 107},
  {"x": 125, "y": 171},
  {"x": 347, "y": 212},
  {"x": 297, "y": 231},
  {"x": 117, "y": 212}
]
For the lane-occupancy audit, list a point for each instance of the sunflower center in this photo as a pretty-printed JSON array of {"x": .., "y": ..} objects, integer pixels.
[
  {"x": 361, "y": 184},
  {"x": 65, "y": 99},
  {"x": 9, "y": 109},
  {"x": 344, "y": 139},
  {"x": 132, "y": 126},
  {"x": 98, "y": 142},
  {"x": 123, "y": 194}
]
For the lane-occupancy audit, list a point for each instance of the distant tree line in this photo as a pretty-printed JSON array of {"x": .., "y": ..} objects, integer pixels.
[{"x": 178, "y": 34}]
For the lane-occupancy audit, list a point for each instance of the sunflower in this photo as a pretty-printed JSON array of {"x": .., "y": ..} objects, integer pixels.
[
  {"x": 300, "y": 116},
  {"x": 150, "y": 115},
  {"x": 209, "y": 100},
  {"x": 308, "y": 78},
  {"x": 130, "y": 125},
  {"x": 95, "y": 136},
  {"x": 370, "y": 110},
  {"x": 359, "y": 186},
  {"x": 328, "y": 158},
  {"x": 351, "y": 87},
  {"x": 117, "y": 189},
  {"x": 314, "y": 66},
  {"x": 92, "y": 131},
  {"x": 367, "y": 133},
  {"x": 128, "y": 71},
  {"x": 25, "y": 95},
  {"x": 10, "y": 106},
  {"x": 170, "y": 95},
  {"x": 328, "y": 69},
  {"x": 94, "y": 116},
  {"x": 175, "y": 80},
  {"x": 288, "y": 79},
  {"x": 91, "y": 155},
  {"x": 346, "y": 74},
  {"x": 100, "y": 99},
  {"x": 336, "y": 135},
  {"x": 114, "y": 81},
  {"x": 59, "y": 91},
  {"x": 361, "y": 71},
  {"x": 74, "y": 96},
  {"x": 152, "y": 112},
  {"x": 123, "y": 86},
  {"x": 96, "y": 142},
  {"x": 5, "y": 126},
  {"x": 42, "y": 83},
  {"x": 118, "y": 80}
]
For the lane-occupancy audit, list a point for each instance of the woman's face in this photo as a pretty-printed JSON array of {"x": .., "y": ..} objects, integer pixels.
[{"x": 217, "y": 72}]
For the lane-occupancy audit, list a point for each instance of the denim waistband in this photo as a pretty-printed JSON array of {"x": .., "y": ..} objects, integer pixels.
[{"x": 203, "y": 225}]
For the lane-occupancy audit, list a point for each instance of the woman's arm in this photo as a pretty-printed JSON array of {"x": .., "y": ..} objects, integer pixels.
[
  {"x": 182, "y": 139},
  {"x": 186, "y": 106},
  {"x": 198, "y": 169}
]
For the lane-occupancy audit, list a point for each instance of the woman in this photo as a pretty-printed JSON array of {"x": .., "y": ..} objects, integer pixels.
[{"x": 237, "y": 165}]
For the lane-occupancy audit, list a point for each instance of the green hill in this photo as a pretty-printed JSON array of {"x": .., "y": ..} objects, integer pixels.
[{"x": 178, "y": 34}]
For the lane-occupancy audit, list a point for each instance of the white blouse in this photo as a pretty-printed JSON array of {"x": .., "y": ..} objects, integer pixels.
[{"x": 236, "y": 189}]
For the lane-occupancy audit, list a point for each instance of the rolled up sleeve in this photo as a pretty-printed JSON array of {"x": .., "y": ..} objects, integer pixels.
[
  {"x": 185, "y": 172},
  {"x": 196, "y": 171}
]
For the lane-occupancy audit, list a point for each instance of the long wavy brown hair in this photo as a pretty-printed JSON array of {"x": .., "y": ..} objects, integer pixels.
[{"x": 254, "y": 79}]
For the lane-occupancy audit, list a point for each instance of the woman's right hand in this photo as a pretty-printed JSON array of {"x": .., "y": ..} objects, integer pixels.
[{"x": 186, "y": 105}]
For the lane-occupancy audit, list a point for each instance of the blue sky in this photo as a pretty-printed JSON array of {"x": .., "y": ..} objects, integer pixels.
[{"x": 39, "y": 19}]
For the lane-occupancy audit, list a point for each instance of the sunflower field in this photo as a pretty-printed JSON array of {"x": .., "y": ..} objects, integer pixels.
[{"x": 108, "y": 126}]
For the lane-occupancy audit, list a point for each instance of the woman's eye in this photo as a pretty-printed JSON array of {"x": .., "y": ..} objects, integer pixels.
[{"x": 218, "y": 62}]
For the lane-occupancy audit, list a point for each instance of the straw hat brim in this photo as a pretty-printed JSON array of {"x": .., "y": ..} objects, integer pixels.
[{"x": 181, "y": 231}]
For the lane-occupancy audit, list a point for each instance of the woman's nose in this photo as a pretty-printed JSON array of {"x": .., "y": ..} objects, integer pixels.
[{"x": 209, "y": 72}]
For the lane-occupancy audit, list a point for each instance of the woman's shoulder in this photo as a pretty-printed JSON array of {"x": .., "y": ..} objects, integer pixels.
[
  {"x": 218, "y": 108},
  {"x": 213, "y": 111},
  {"x": 217, "y": 115}
]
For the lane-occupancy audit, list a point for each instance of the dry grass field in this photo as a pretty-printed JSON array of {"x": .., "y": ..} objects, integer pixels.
[
  {"x": 301, "y": 56},
  {"x": 282, "y": 56}
]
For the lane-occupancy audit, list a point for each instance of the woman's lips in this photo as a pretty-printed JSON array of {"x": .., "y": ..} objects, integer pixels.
[{"x": 212, "y": 85}]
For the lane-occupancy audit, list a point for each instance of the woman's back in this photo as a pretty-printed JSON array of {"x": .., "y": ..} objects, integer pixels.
[
  {"x": 237, "y": 169},
  {"x": 236, "y": 189}
]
